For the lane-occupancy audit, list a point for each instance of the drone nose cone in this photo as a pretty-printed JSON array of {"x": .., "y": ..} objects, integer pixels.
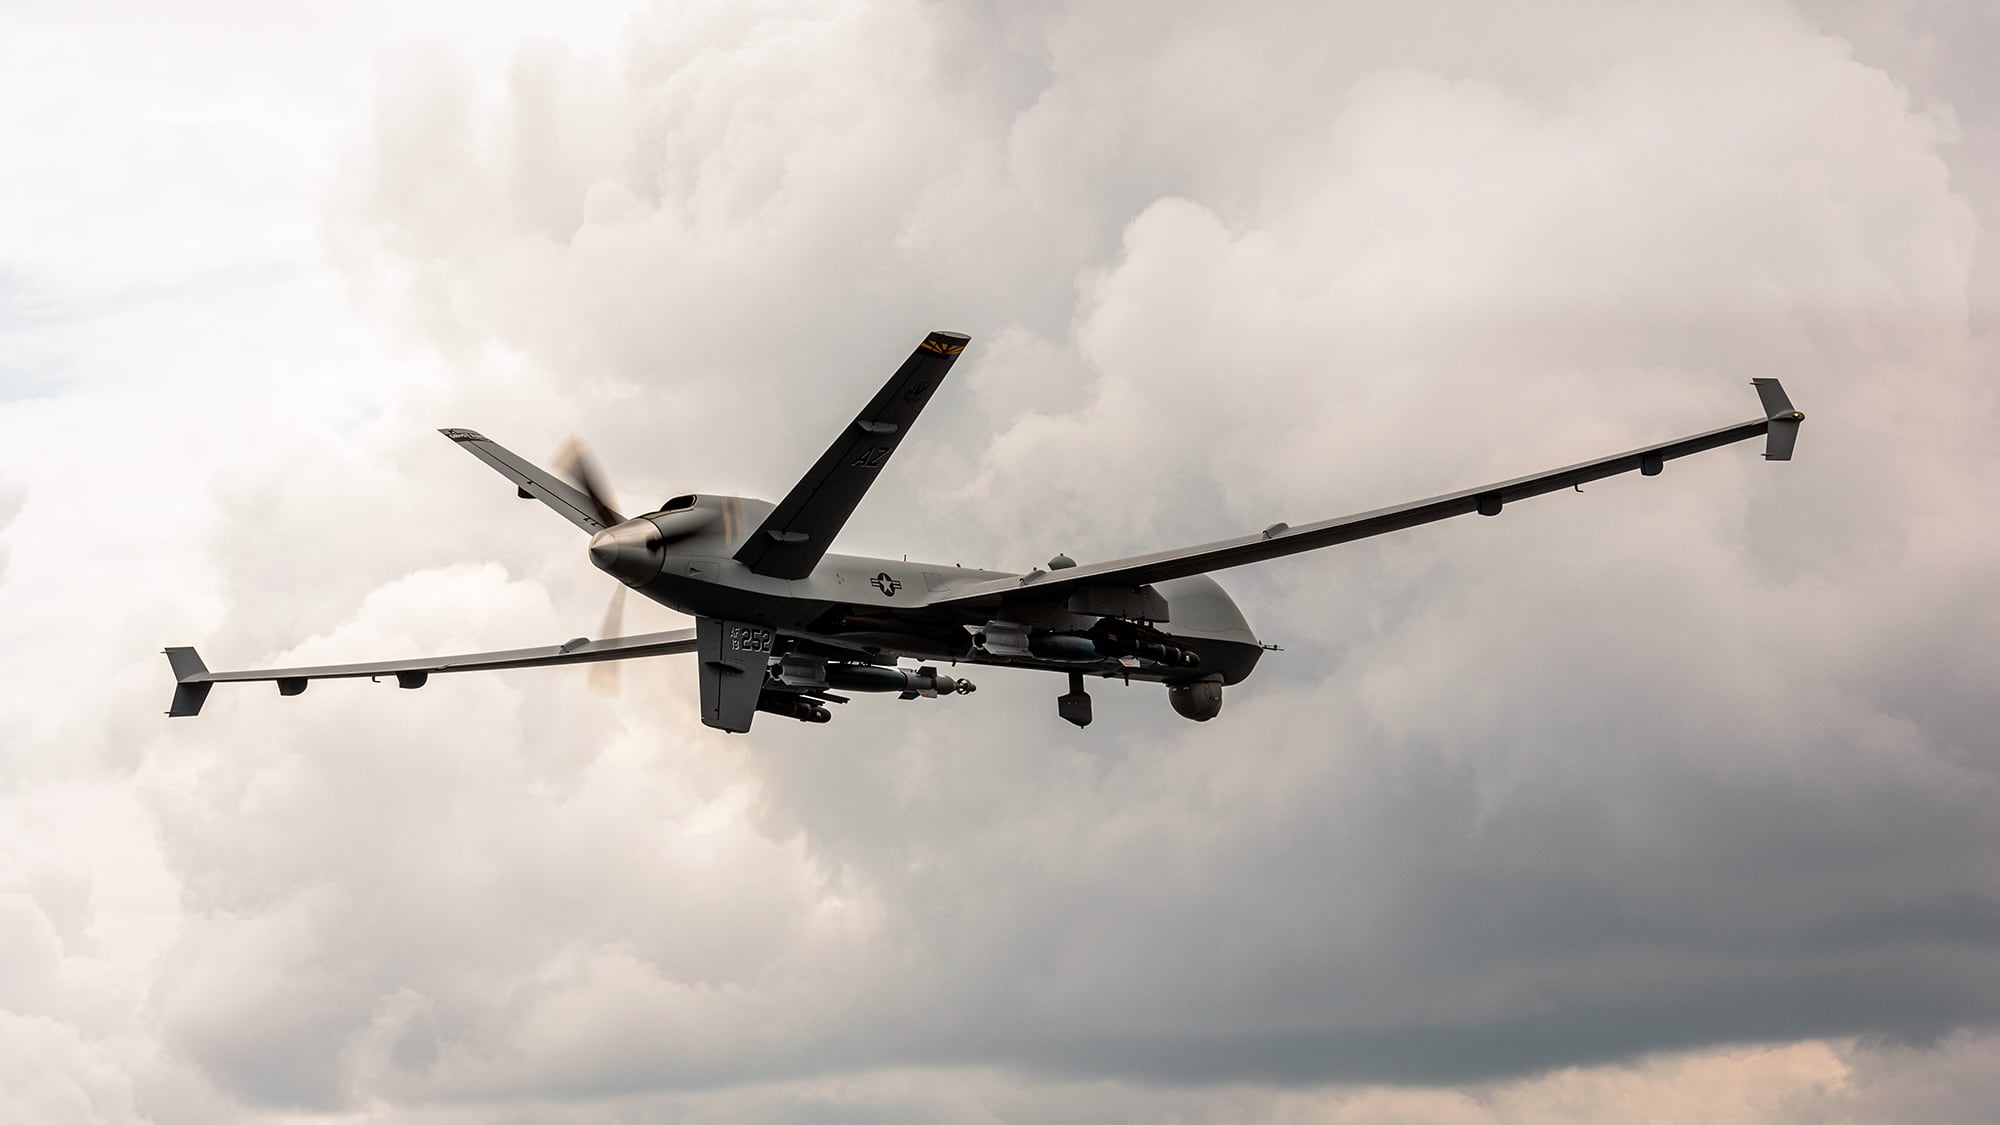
[
  {"x": 603, "y": 549},
  {"x": 629, "y": 552}
]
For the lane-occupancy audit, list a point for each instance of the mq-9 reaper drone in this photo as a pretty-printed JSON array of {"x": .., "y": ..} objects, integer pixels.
[{"x": 784, "y": 627}]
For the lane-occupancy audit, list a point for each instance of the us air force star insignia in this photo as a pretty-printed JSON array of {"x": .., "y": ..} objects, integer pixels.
[{"x": 886, "y": 584}]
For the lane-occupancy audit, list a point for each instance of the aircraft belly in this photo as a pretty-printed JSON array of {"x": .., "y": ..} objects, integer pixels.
[
  {"x": 879, "y": 644},
  {"x": 700, "y": 596},
  {"x": 880, "y": 587},
  {"x": 877, "y": 607}
]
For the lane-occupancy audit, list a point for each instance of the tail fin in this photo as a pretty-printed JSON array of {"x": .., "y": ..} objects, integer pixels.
[
  {"x": 1784, "y": 418},
  {"x": 191, "y": 686}
]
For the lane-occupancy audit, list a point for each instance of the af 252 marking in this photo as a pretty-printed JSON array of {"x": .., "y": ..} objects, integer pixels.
[{"x": 750, "y": 638}]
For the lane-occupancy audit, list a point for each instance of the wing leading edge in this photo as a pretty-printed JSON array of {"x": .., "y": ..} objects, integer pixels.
[
  {"x": 193, "y": 679},
  {"x": 798, "y": 532},
  {"x": 1781, "y": 424},
  {"x": 569, "y": 502}
]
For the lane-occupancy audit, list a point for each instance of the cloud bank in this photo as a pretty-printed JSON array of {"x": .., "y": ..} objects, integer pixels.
[{"x": 1649, "y": 772}]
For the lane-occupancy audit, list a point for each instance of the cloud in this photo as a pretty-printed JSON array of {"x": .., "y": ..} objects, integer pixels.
[{"x": 1641, "y": 773}]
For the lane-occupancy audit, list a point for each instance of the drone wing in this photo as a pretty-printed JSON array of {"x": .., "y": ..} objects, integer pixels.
[
  {"x": 193, "y": 679},
  {"x": 581, "y": 508},
  {"x": 796, "y": 535},
  {"x": 1781, "y": 423}
]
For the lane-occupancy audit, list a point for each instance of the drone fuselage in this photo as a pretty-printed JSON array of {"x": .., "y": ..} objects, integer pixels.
[{"x": 853, "y": 608}]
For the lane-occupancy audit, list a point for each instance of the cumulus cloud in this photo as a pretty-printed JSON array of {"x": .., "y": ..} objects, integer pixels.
[{"x": 1666, "y": 766}]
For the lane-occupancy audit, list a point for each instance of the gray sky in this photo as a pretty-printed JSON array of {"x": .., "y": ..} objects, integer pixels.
[{"x": 1678, "y": 797}]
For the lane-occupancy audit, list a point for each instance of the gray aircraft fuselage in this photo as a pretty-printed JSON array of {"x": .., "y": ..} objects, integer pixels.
[{"x": 879, "y": 609}]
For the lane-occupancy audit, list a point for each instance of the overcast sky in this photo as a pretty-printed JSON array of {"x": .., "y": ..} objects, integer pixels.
[{"x": 1676, "y": 799}]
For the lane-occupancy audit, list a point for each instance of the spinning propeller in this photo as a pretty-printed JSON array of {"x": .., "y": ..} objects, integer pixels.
[{"x": 575, "y": 463}]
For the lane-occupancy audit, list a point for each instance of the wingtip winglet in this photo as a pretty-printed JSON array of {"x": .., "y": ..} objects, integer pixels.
[
  {"x": 186, "y": 663},
  {"x": 1784, "y": 419},
  {"x": 191, "y": 686},
  {"x": 1777, "y": 404}
]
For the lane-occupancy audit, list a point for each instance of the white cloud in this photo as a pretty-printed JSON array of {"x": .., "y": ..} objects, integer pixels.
[{"x": 1671, "y": 764}]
